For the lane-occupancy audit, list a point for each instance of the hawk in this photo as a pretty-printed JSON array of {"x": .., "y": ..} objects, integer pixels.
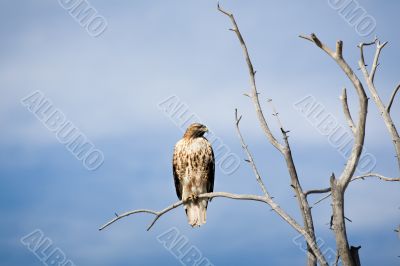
[{"x": 193, "y": 168}]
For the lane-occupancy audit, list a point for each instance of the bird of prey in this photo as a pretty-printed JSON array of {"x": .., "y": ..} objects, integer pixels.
[{"x": 193, "y": 168}]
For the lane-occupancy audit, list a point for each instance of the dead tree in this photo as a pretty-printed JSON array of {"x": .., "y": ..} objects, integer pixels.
[
  {"x": 346, "y": 253},
  {"x": 338, "y": 187}
]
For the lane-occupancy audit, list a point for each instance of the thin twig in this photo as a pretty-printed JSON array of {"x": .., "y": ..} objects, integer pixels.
[
  {"x": 317, "y": 191},
  {"x": 322, "y": 199},
  {"x": 392, "y": 98},
  {"x": 337, "y": 259},
  {"x": 326, "y": 190},
  {"x": 254, "y": 94},
  {"x": 379, "y": 176},
  {"x": 278, "y": 120},
  {"x": 250, "y": 158}
]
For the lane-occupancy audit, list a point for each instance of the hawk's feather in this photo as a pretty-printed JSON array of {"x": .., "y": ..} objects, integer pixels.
[{"x": 193, "y": 170}]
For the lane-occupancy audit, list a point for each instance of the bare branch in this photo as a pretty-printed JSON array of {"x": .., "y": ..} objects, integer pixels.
[
  {"x": 361, "y": 46},
  {"x": 313, "y": 38},
  {"x": 326, "y": 190},
  {"x": 318, "y": 191},
  {"x": 269, "y": 200},
  {"x": 379, "y": 176},
  {"x": 295, "y": 183},
  {"x": 375, "y": 63},
  {"x": 334, "y": 54},
  {"x": 348, "y": 219},
  {"x": 285, "y": 150},
  {"x": 370, "y": 43},
  {"x": 158, "y": 214},
  {"x": 346, "y": 111},
  {"x": 354, "y": 157},
  {"x": 384, "y": 111},
  {"x": 278, "y": 120},
  {"x": 250, "y": 156},
  {"x": 339, "y": 49},
  {"x": 254, "y": 93},
  {"x": 322, "y": 199},
  {"x": 275, "y": 207},
  {"x": 392, "y": 98},
  {"x": 339, "y": 186},
  {"x": 337, "y": 259}
]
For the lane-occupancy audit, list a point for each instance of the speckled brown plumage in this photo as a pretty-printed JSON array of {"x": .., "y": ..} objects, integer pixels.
[{"x": 193, "y": 169}]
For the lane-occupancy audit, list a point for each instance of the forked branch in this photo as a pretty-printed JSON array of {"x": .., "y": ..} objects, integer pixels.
[
  {"x": 384, "y": 111},
  {"x": 284, "y": 149},
  {"x": 268, "y": 200},
  {"x": 337, "y": 56},
  {"x": 362, "y": 177},
  {"x": 375, "y": 64},
  {"x": 158, "y": 214},
  {"x": 339, "y": 186},
  {"x": 309, "y": 239}
]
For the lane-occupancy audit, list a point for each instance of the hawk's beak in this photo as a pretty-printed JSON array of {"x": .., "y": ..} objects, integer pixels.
[{"x": 206, "y": 129}]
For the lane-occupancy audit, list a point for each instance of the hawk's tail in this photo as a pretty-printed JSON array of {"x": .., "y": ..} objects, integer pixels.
[{"x": 196, "y": 212}]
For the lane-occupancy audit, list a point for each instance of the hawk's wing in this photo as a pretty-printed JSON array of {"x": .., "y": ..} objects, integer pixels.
[
  {"x": 211, "y": 172},
  {"x": 178, "y": 185}
]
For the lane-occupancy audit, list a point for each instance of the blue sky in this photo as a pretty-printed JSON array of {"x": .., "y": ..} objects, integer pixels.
[{"x": 110, "y": 88}]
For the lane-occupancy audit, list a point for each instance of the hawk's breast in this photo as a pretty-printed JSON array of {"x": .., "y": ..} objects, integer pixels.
[{"x": 193, "y": 167}]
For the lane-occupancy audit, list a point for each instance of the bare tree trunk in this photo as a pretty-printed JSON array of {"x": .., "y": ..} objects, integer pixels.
[
  {"x": 338, "y": 187},
  {"x": 339, "y": 223}
]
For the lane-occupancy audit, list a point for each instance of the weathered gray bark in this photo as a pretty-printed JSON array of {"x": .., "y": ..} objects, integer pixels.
[
  {"x": 383, "y": 110},
  {"x": 338, "y": 187},
  {"x": 339, "y": 223},
  {"x": 283, "y": 149}
]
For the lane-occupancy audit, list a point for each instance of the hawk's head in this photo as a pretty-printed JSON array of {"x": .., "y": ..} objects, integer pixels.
[{"x": 195, "y": 130}]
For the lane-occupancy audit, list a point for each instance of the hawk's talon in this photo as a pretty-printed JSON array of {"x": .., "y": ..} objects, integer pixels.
[{"x": 193, "y": 197}]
